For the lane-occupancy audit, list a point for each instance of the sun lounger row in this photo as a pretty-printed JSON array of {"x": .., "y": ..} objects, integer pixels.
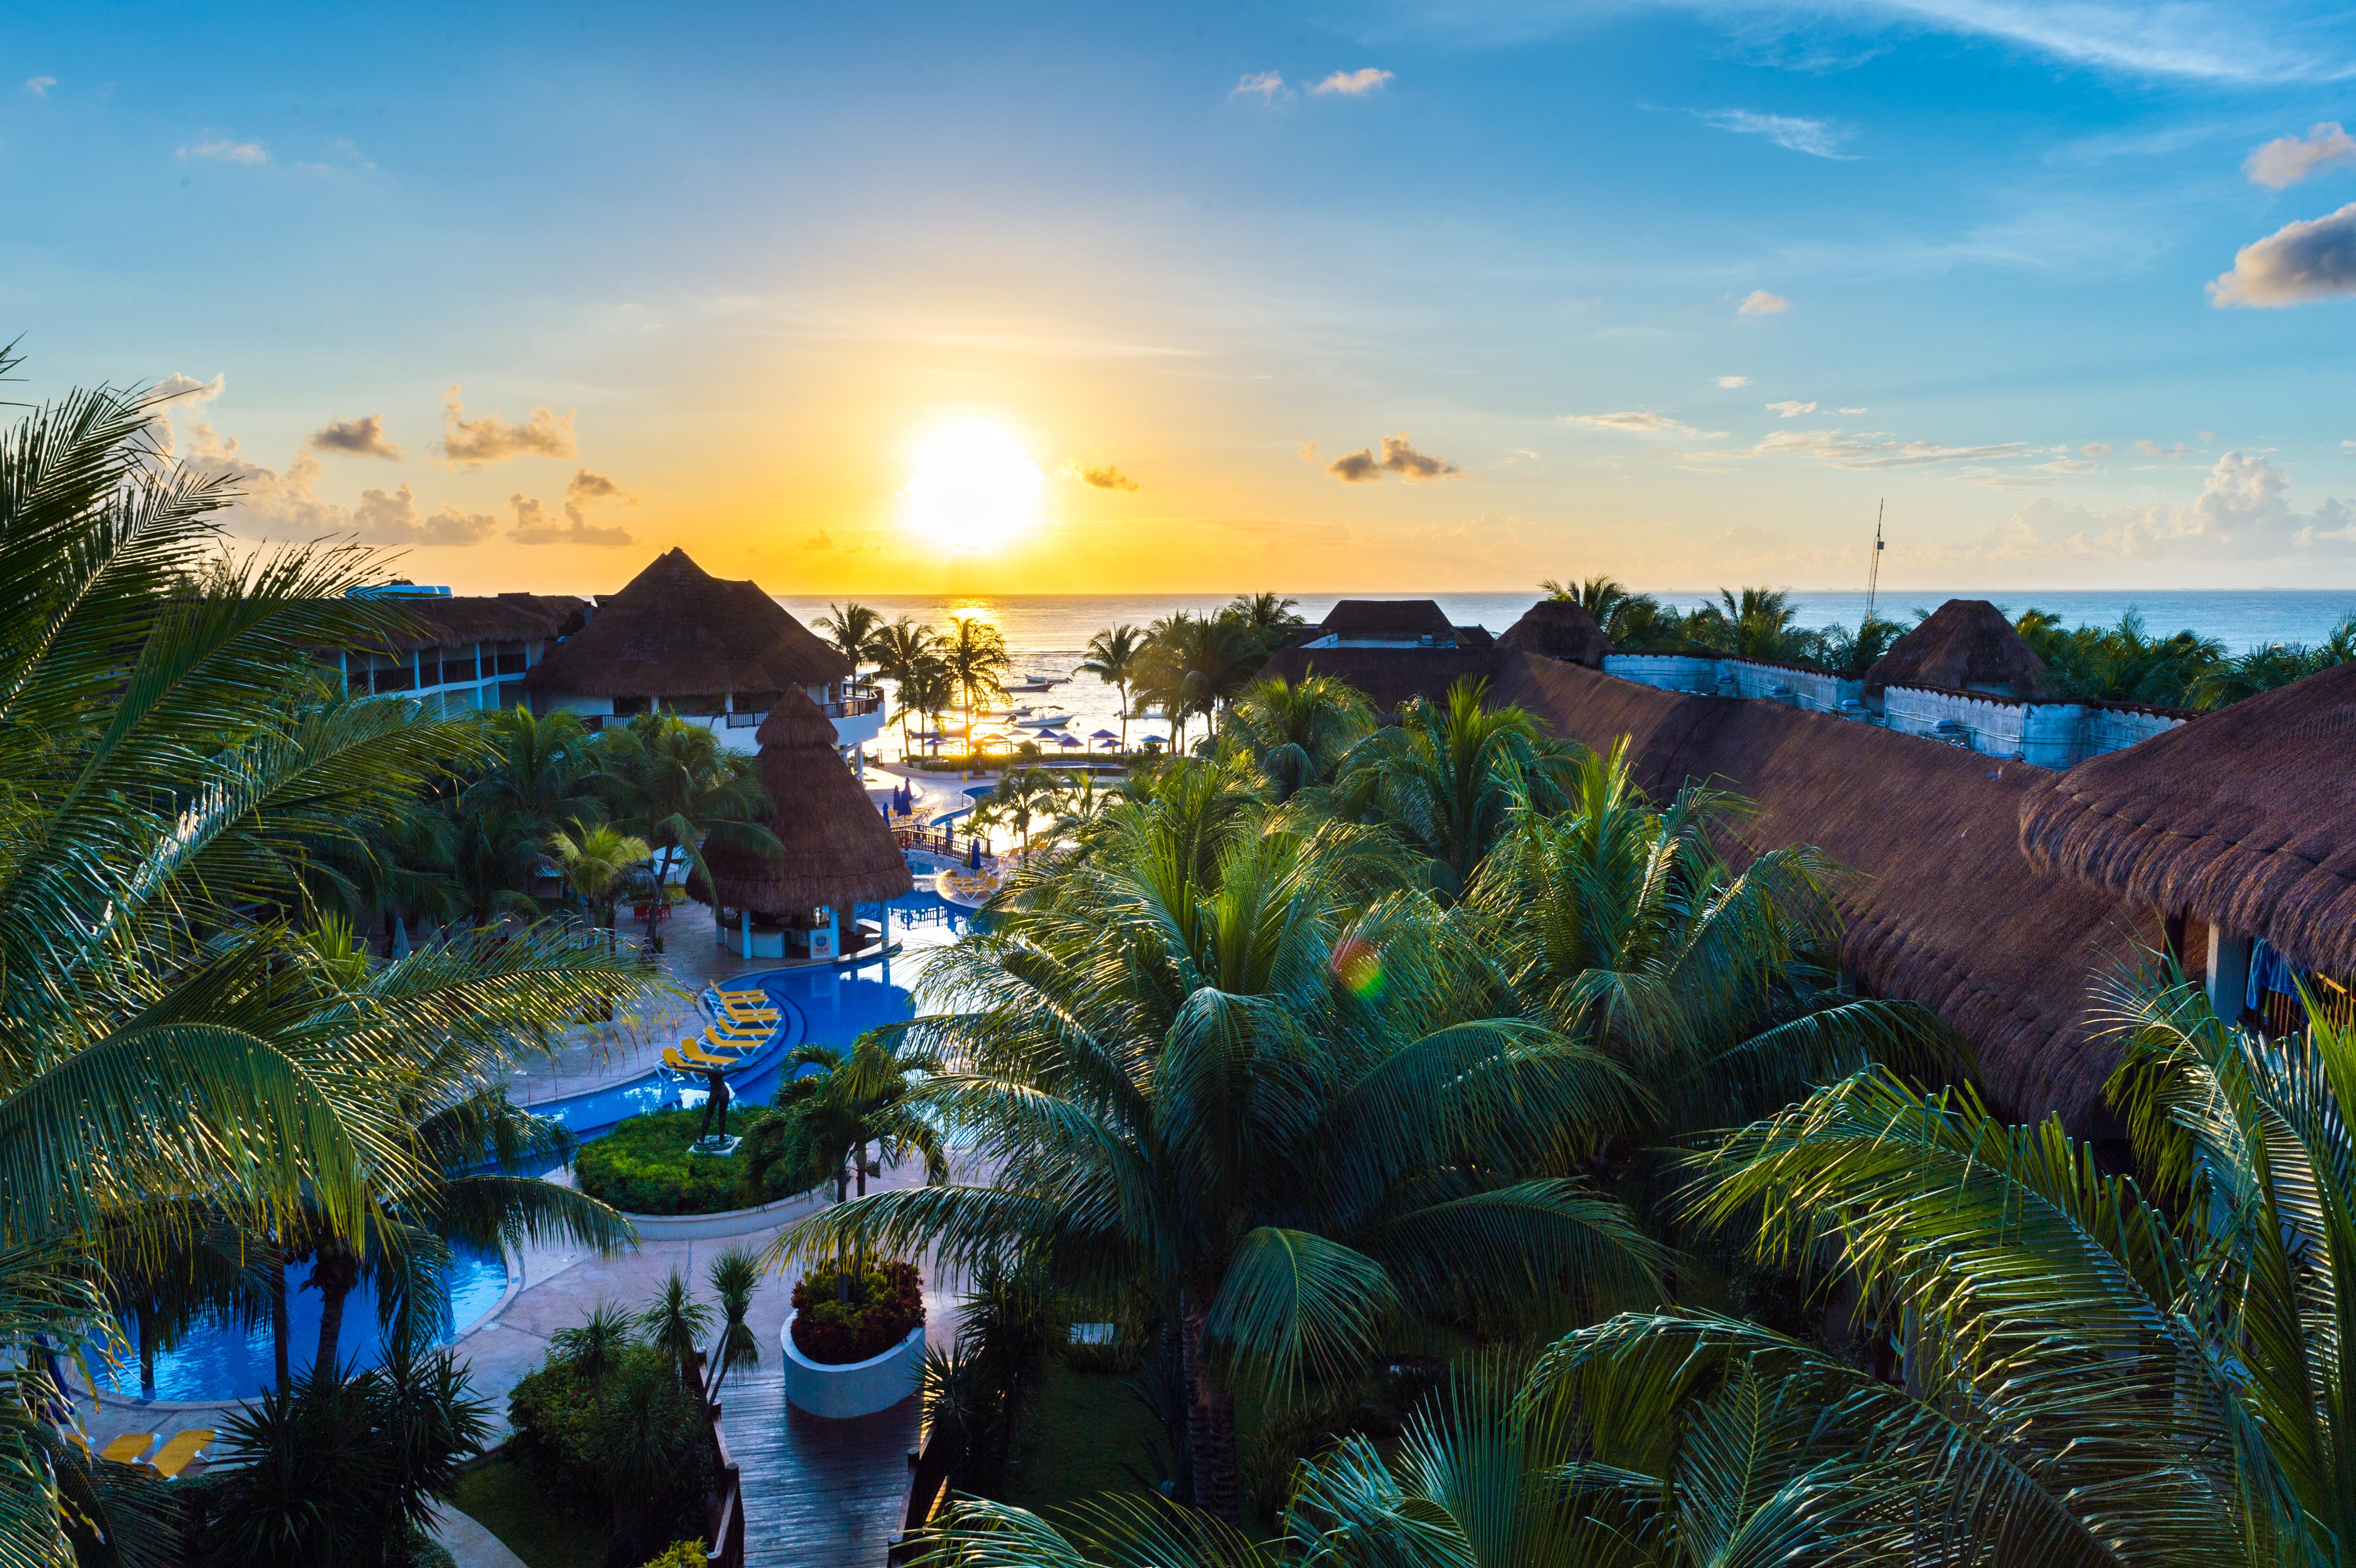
[{"x": 183, "y": 1449}]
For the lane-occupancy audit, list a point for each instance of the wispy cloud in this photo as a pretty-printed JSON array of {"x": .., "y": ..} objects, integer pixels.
[
  {"x": 38, "y": 86},
  {"x": 1106, "y": 477},
  {"x": 363, "y": 437},
  {"x": 1759, "y": 302},
  {"x": 227, "y": 150},
  {"x": 2287, "y": 160},
  {"x": 1790, "y": 409},
  {"x": 2300, "y": 262},
  {"x": 491, "y": 439},
  {"x": 1642, "y": 421},
  {"x": 1730, "y": 382},
  {"x": 1868, "y": 450},
  {"x": 1400, "y": 456},
  {"x": 1352, "y": 83},
  {"x": 1359, "y": 467},
  {"x": 2204, "y": 39},
  {"x": 1817, "y": 138},
  {"x": 1265, "y": 85}
]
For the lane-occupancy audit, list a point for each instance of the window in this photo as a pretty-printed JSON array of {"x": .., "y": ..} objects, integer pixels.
[{"x": 508, "y": 658}]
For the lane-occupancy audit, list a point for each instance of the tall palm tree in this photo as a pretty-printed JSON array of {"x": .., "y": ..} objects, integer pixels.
[
  {"x": 851, "y": 629},
  {"x": 1295, "y": 733},
  {"x": 928, "y": 689},
  {"x": 855, "y": 1099},
  {"x": 906, "y": 654},
  {"x": 1195, "y": 663},
  {"x": 594, "y": 862},
  {"x": 1114, "y": 656},
  {"x": 1021, "y": 796},
  {"x": 1450, "y": 777},
  {"x": 1265, "y": 618},
  {"x": 674, "y": 785},
  {"x": 1601, "y": 596},
  {"x": 974, "y": 653},
  {"x": 1208, "y": 1070},
  {"x": 540, "y": 767}
]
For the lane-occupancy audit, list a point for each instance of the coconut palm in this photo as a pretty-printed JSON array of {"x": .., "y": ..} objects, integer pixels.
[
  {"x": 1211, "y": 1068},
  {"x": 1265, "y": 618},
  {"x": 856, "y": 1099},
  {"x": 1450, "y": 777},
  {"x": 675, "y": 786},
  {"x": 851, "y": 629},
  {"x": 540, "y": 768},
  {"x": 1295, "y": 733},
  {"x": 1601, "y": 596},
  {"x": 976, "y": 657},
  {"x": 1195, "y": 663},
  {"x": 929, "y": 690},
  {"x": 1114, "y": 657},
  {"x": 594, "y": 862},
  {"x": 906, "y": 654},
  {"x": 1020, "y": 797}
]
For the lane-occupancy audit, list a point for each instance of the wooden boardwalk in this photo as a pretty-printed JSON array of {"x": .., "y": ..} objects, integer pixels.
[{"x": 816, "y": 1493}]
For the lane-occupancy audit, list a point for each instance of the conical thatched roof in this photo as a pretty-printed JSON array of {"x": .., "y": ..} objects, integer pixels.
[
  {"x": 2245, "y": 817},
  {"x": 1558, "y": 629},
  {"x": 1965, "y": 645},
  {"x": 839, "y": 849},
  {"x": 677, "y": 630}
]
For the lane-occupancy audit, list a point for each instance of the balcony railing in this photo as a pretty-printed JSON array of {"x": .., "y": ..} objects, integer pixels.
[{"x": 854, "y": 706}]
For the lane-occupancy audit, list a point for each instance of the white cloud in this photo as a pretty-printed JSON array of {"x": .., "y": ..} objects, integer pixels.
[
  {"x": 1730, "y": 382},
  {"x": 1791, "y": 409},
  {"x": 533, "y": 525},
  {"x": 1866, "y": 450},
  {"x": 1642, "y": 421},
  {"x": 176, "y": 392},
  {"x": 273, "y": 505},
  {"x": 2197, "y": 38},
  {"x": 2287, "y": 160},
  {"x": 227, "y": 150},
  {"x": 490, "y": 438},
  {"x": 2096, "y": 448},
  {"x": 1759, "y": 302},
  {"x": 392, "y": 519},
  {"x": 1856, "y": 411},
  {"x": 2153, "y": 449},
  {"x": 363, "y": 437},
  {"x": 2067, "y": 465},
  {"x": 2298, "y": 262},
  {"x": 1817, "y": 138},
  {"x": 1352, "y": 83},
  {"x": 2242, "y": 513},
  {"x": 38, "y": 86},
  {"x": 1265, "y": 85}
]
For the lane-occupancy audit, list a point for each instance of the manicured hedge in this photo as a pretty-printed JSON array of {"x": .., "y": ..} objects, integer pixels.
[
  {"x": 885, "y": 1303},
  {"x": 643, "y": 1167}
]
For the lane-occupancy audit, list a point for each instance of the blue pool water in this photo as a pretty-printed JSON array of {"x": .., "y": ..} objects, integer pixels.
[
  {"x": 826, "y": 1005},
  {"x": 977, "y": 795}
]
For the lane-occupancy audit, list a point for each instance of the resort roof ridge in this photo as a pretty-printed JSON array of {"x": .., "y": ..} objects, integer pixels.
[
  {"x": 675, "y": 631},
  {"x": 1966, "y": 644}
]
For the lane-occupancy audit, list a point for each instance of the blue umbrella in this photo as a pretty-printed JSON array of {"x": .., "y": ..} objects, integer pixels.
[{"x": 973, "y": 854}]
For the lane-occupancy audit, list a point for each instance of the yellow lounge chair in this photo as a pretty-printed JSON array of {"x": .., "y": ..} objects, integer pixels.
[
  {"x": 125, "y": 1449},
  {"x": 738, "y": 1049},
  {"x": 185, "y": 1448},
  {"x": 750, "y": 1015},
  {"x": 758, "y": 1034},
  {"x": 752, "y": 994},
  {"x": 700, "y": 1059}
]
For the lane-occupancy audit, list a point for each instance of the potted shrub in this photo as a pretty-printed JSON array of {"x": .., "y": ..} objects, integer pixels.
[{"x": 855, "y": 1342}]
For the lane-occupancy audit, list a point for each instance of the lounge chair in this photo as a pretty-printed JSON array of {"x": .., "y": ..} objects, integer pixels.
[
  {"x": 702, "y": 1061},
  {"x": 736, "y": 1047},
  {"x": 673, "y": 1060},
  {"x": 735, "y": 1014},
  {"x": 756, "y": 1034},
  {"x": 125, "y": 1449},
  {"x": 184, "y": 1449},
  {"x": 746, "y": 994}
]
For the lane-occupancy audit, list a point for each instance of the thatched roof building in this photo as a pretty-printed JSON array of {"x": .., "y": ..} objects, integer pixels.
[
  {"x": 1965, "y": 645},
  {"x": 457, "y": 622},
  {"x": 838, "y": 850},
  {"x": 678, "y": 633},
  {"x": 1388, "y": 621},
  {"x": 1387, "y": 676},
  {"x": 2242, "y": 818},
  {"x": 1943, "y": 910},
  {"x": 1558, "y": 629}
]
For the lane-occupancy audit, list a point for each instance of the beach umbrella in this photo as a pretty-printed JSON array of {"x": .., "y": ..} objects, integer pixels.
[{"x": 973, "y": 854}]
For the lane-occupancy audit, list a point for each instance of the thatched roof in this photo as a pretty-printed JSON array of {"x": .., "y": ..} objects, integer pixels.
[
  {"x": 677, "y": 630},
  {"x": 839, "y": 848},
  {"x": 1401, "y": 619},
  {"x": 1965, "y": 645},
  {"x": 1945, "y": 910},
  {"x": 1387, "y": 676},
  {"x": 2245, "y": 817},
  {"x": 1558, "y": 629},
  {"x": 458, "y": 623}
]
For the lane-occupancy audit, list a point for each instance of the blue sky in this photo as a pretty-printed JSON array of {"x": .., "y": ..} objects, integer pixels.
[{"x": 747, "y": 258}]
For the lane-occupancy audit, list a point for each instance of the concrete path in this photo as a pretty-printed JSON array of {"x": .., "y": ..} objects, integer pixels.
[{"x": 470, "y": 1543}]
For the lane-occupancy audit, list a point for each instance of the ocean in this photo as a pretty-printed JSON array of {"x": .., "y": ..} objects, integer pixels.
[{"x": 1048, "y": 632}]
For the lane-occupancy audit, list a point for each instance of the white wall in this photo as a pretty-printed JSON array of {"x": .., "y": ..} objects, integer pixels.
[
  {"x": 1736, "y": 678},
  {"x": 2050, "y": 734}
]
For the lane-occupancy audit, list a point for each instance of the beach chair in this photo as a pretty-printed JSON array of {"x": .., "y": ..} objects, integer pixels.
[
  {"x": 675, "y": 1062},
  {"x": 751, "y": 1034},
  {"x": 124, "y": 1450},
  {"x": 752, "y": 994},
  {"x": 702, "y": 1061},
  {"x": 749, "y": 1015},
  {"x": 736, "y": 1049},
  {"x": 185, "y": 1448}
]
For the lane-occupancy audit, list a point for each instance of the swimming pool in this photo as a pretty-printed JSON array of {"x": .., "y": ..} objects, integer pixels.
[
  {"x": 829, "y": 1006},
  {"x": 975, "y": 796}
]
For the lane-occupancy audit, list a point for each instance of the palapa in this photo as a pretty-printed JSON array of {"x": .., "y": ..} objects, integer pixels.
[
  {"x": 676, "y": 630},
  {"x": 838, "y": 850},
  {"x": 1966, "y": 644}
]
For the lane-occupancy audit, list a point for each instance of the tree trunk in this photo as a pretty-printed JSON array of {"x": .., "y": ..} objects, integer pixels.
[
  {"x": 1210, "y": 1422},
  {"x": 145, "y": 1313},
  {"x": 332, "y": 1296},
  {"x": 863, "y": 1168},
  {"x": 279, "y": 1332},
  {"x": 842, "y": 1181}
]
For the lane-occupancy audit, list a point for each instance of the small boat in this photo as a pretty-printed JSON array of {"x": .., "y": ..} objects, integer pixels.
[
  {"x": 1033, "y": 683},
  {"x": 1048, "y": 721}
]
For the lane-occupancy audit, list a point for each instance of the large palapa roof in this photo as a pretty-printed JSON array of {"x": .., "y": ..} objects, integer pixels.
[
  {"x": 1943, "y": 910},
  {"x": 1558, "y": 629},
  {"x": 1387, "y": 676},
  {"x": 461, "y": 621},
  {"x": 1404, "y": 618},
  {"x": 2245, "y": 817},
  {"x": 677, "y": 630},
  {"x": 838, "y": 850},
  {"x": 1965, "y": 645}
]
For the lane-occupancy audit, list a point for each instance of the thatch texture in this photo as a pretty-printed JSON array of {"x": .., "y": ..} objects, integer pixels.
[
  {"x": 459, "y": 623},
  {"x": 1558, "y": 629},
  {"x": 1404, "y": 619},
  {"x": 1965, "y": 645},
  {"x": 839, "y": 848},
  {"x": 2242, "y": 816},
  {"x": 1387, "y": 676},
  {"x": 1944, "y": 909},
  {"x": 677, "y": 630}
]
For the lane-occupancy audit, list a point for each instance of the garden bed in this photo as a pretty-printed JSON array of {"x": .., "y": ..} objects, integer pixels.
[
  {"x": 529, "y": 1519},
  {"x": 643, "y": 1167}
]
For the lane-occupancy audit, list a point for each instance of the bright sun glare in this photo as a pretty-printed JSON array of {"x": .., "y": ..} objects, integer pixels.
[{"x": 974, "y": 488}]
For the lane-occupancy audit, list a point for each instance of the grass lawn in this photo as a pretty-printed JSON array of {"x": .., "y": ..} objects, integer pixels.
[
  {"x": 505, "y": 1500},
  {"x": 1083, "y": 1427}
]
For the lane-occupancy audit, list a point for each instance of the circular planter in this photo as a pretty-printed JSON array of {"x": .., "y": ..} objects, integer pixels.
[{"x": 859, "y": 1388}]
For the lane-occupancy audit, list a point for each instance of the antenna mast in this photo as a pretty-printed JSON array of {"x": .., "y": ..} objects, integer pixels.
[{"x": 1873, "y": 572}]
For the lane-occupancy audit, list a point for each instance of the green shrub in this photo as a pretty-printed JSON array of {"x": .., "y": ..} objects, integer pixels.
[
  {"x": 682, "y": 1554},
  {"x": 642, "y": 1166},
  {"x": 624, "y": 1433},
  {"x": 884, "y": 1302}
]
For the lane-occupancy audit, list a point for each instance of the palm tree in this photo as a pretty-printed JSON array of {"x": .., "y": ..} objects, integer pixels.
[
  {"x": 1209, "y": 1071},
  {"x": 1601, "y": 596},
  {"x": 540, "y": 768},
  {"x": 975, "y": 656},
  {"x": 1114, "y": 658},
  {"x": 1265, "y": 618},
  {"x": 1450, "y": 778},
  {"x": 678, "y": 788},
  {"x": 1194, "y": 664},
  {"x": 927, "y": 690},
  {"x": 674, "y": 1321},
  {"x": 907, "y": 655},
  {"x": 2264, "y": 669},
  {"x": 1296, "y": 734},
  {"x": 176, "y": 766},
  {"x": 736, "y": 1274},
  {"x": 2096, "y": 1367},
  {"x": 851, "y": 629},
  {"x": 1021, "y": 795},
  {"x": 594, "y": 862},
  {"x": 864, "y": 1096}
]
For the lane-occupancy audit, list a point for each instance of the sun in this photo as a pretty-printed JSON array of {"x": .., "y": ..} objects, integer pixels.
[{"x": 974, "y": 488}]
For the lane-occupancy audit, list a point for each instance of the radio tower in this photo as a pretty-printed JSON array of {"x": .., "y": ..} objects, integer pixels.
[{"x": 1873, "y": 572}]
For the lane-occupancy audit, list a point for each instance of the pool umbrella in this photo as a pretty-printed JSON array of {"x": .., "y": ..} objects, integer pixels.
[
  {"x": 973, "y": 854},
  {"x": 1104, "y": 735}
]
